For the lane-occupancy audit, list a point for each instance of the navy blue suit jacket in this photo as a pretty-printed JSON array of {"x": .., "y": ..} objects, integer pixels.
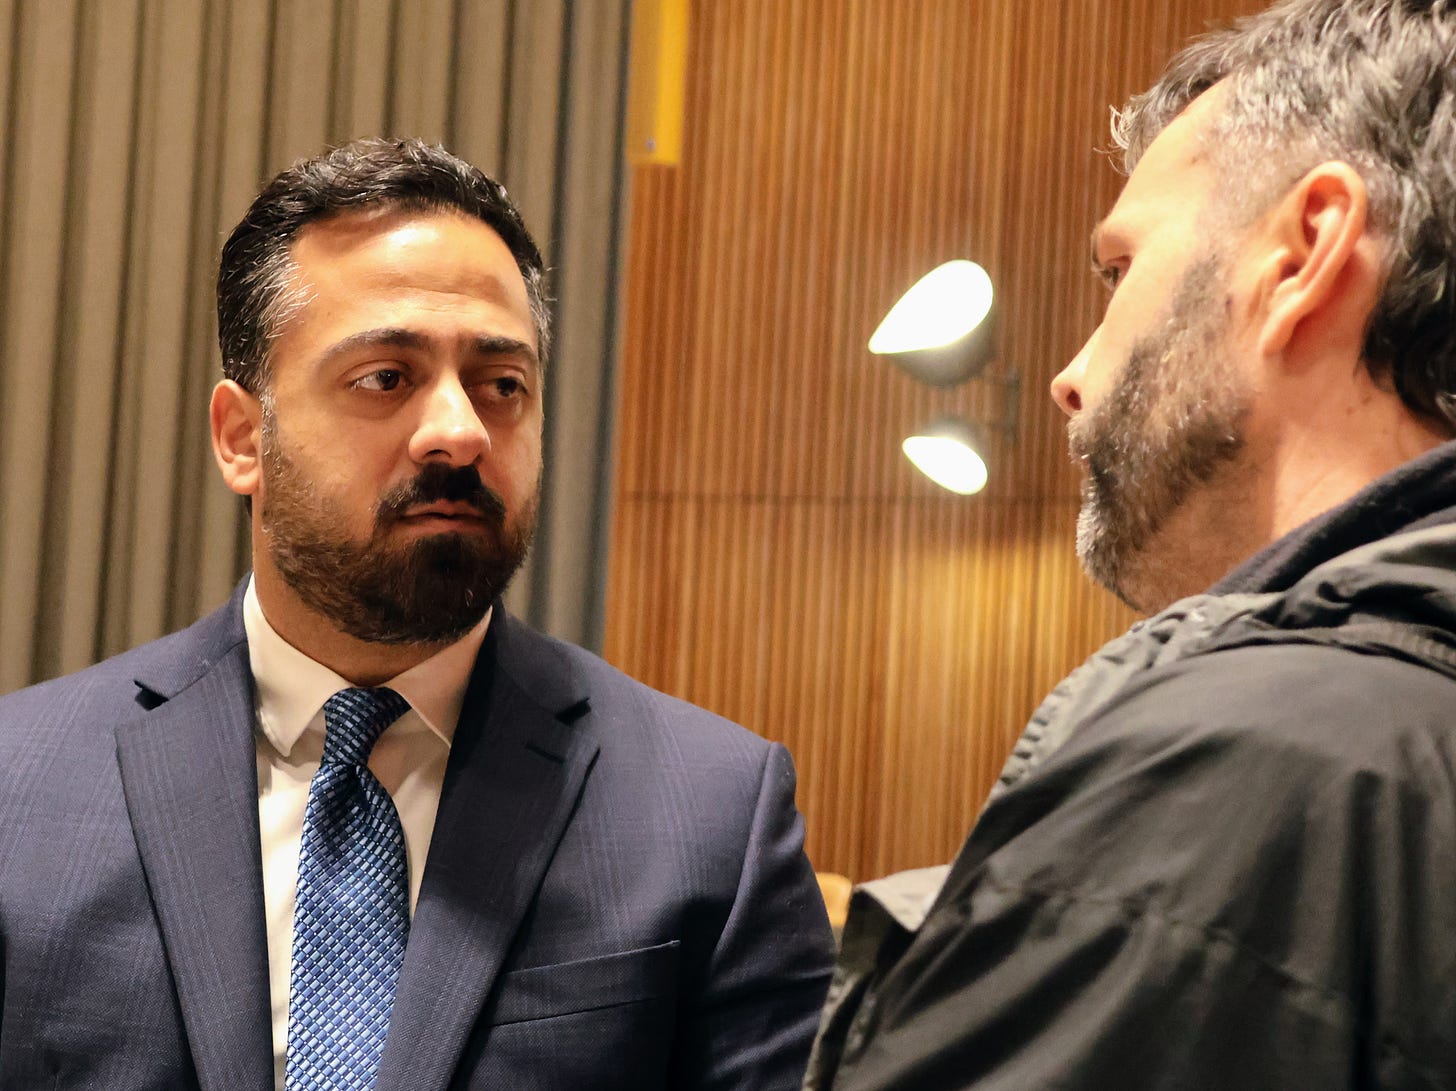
[{"x": 615, "y": 895}]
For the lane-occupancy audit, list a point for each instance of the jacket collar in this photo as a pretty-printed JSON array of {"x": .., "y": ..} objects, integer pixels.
[
  {"x": 524, "y": 748},
  {"x": 182, "y": 658},
  {"x": 189, "y": 776}
]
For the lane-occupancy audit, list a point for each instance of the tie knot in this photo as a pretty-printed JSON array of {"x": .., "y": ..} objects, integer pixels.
[{"x": 355, "y": 718}]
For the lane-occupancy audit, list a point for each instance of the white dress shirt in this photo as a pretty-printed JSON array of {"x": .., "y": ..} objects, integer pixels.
[{"x": 409, "y": 760}]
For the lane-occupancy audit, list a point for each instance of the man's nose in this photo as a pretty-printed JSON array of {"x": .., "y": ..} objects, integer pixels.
[
  {"x": 1067, "y": 386},
  {"x": 449, "y": 430}
]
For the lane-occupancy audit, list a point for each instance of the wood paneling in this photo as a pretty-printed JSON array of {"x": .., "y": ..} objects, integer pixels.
[{"x": 774, "y": 556}]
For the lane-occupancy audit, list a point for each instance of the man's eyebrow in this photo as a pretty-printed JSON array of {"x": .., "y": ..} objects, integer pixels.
[
  {"x": 396, "y": 337},
  {"x": 385, "y": 337},
  {"x": 496, "y": 345}
]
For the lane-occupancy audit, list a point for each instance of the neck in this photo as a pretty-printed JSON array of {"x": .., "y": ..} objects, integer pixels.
[{"x": 1340, "y": 445}]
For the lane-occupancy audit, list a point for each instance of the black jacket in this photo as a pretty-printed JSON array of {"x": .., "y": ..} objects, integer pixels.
[{"x": 1234, "y": 864}]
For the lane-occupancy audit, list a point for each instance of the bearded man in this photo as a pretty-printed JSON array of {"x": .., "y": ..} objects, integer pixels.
[
  {"x": 1221, "y": 854},
  {"x": 360, "y": 828}
]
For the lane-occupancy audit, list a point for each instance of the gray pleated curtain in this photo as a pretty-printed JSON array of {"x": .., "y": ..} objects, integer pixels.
[{"x": 135, "y": 134}]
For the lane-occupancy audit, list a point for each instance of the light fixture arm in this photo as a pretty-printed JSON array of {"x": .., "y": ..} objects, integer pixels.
[{"x": 1011, "y": 403}]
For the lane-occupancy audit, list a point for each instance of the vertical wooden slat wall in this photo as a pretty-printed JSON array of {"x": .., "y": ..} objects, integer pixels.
[{"x": 774, "y": 556}]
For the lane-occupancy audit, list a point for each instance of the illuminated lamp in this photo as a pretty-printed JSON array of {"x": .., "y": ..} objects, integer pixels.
[
  {"x": 951, "y": 452},
  {"x": 939, "y": 331}
]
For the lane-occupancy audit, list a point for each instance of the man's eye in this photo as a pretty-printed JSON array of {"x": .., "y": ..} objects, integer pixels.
[
  {"x": 506, "y": 387},
  {"x": 383, "y": 380}
]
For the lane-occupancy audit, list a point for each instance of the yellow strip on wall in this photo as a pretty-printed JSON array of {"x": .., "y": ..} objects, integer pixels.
[{"x": 657, "y": 81}]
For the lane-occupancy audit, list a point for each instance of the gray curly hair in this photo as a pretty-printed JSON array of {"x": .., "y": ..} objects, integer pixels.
[{"x": 1369, "y": 82}]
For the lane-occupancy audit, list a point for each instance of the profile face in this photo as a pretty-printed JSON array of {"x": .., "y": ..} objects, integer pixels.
[
  {"x": 1159, "y": 396},
  {"x": 402, "y": 425}
]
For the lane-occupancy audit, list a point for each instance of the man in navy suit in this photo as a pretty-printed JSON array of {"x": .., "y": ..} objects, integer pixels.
[{"x": 606, "y": 887}]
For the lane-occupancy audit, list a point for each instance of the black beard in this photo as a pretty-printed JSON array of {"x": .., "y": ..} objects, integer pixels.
[{"x": 431, "y": 590}]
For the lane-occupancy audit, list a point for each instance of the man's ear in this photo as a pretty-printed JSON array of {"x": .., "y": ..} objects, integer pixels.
[
  {"x": 237, "y": 437},
  {"x": 1315, "y": 258}
]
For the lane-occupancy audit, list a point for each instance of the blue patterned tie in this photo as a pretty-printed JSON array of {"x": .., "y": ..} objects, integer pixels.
[{"x": 352, "y": 915}]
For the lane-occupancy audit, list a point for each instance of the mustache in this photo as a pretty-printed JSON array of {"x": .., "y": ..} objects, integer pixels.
[
  {"x": 1079, "y": 443},
  {"x": 438, "y": 483}
]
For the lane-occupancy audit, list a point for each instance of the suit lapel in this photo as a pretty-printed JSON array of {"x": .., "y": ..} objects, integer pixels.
[
  {"x": 517, "y": 767},
  {"x": 189, "y": 773}
]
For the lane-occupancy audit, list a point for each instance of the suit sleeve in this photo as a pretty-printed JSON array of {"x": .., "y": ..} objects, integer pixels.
[
  {"x": 1202, "y": 890},
  {"x": 751, "y": 1023}
]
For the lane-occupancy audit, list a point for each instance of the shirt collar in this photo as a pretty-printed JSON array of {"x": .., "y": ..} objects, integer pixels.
[{"x": 292, "y": 688}]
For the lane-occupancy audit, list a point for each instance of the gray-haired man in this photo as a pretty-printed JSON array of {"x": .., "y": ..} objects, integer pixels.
[{"x": 1221, "y": 854}]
